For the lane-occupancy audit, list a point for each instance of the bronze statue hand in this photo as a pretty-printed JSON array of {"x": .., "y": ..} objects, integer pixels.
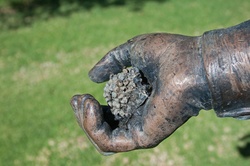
[
  {"x": 173, "y": 67},
  {"x": 184, "y": 80}
]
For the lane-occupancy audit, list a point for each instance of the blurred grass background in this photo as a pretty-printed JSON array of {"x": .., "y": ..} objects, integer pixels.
[{"x": 46, "y": 50}]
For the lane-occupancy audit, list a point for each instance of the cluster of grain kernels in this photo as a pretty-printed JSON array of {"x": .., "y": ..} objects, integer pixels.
[{"x": 124, "y": 92}]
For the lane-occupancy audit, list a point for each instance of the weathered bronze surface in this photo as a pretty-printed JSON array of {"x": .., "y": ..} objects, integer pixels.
[{"x": 187, "y": 74}]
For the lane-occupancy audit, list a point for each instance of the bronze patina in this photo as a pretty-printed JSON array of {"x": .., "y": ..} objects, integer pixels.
[{"x": 185, "y": 74}]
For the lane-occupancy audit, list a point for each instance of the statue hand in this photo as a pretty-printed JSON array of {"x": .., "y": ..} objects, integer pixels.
[{"x": 173, "y": 67}]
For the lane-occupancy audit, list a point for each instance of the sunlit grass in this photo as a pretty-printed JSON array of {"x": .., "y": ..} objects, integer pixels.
[{"x": 44, "y": 64}]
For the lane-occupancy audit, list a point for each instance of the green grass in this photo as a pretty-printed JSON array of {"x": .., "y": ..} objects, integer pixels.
[{"x": 44, "y": 64}]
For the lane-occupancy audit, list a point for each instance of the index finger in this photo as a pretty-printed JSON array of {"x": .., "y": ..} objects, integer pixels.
[{"x": 112, "y": 63}]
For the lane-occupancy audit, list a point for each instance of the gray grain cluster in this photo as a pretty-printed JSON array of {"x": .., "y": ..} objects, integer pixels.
[{"x": 125, "y": 92}]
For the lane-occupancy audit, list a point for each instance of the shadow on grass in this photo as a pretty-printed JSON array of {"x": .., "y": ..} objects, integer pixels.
[
  {"x": 19, "y": 13},
  {"x": 245, "y": 149}
]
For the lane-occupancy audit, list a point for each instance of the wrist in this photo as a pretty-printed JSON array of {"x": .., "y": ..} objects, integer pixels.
[{"x": 226, "y": 59}]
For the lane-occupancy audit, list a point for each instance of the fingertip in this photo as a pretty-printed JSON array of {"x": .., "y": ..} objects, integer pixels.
[
  {"x": 93, "y": 115},
  {"x": 76, "y": 100},
  {"x": 91, "y": 105},
  {"x": 73, "y": 102},
  {"x": 113, "y": 62},
  {"x": 104, "y": 68}
]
